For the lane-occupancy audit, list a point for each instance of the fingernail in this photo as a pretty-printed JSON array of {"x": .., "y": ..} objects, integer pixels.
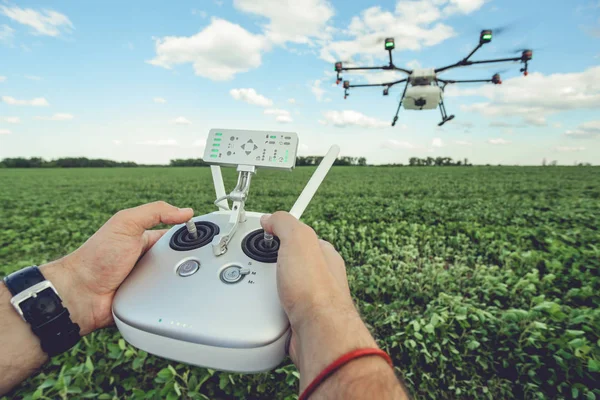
[
  {"x": 264, "y": 218},
  {"x": 188, "y": 209}
]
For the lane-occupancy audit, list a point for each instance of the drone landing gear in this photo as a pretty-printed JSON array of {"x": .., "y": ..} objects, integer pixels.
[
  {"x": 445, "y": 116},
  {"x": 399, "y": 104}
]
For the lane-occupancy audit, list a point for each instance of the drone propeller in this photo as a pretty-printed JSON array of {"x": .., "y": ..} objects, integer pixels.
[{"x": 497, "y": 30}]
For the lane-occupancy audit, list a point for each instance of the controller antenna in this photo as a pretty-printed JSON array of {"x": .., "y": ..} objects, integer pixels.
[{"x": 191, "y": 228}]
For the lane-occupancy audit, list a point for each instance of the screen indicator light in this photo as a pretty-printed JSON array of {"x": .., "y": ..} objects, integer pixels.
[
  {"x": 218, "y": 134},
  {"x": 217, "y": 139}
]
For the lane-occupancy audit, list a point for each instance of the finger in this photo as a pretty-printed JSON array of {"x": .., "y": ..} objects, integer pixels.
[
  {"x": 336, "y": 263},
  {"x": 151, "y": 237},
  {"x": 149, "y": 215},
  {"x": 285, "y": 226}
]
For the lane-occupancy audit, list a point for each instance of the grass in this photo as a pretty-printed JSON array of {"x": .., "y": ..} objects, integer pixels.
[{"x": 480, "y": 282}]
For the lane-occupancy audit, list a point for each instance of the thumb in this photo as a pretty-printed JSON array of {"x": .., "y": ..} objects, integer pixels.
[
  {"x": 147, "y": 216},
  {"x": 283, "y": 225}
]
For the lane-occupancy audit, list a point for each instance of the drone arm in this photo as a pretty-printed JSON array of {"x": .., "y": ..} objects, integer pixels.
[
  {"x": 466, "y": 63},
  {"x": 496, "y": 60},
  {"x": 388, "y": 84},
  {"x": 447, "y": 81},
  {"x": 365, "y": 68}
]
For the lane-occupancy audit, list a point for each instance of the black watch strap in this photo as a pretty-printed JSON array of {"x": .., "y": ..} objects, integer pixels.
[{"x": 43, "y": 310}]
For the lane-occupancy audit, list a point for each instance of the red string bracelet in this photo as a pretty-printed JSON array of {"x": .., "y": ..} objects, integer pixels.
[{"x": 337, "y": 364}]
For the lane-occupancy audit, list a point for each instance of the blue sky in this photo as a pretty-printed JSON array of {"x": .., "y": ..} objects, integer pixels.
[{"x": 145, "y": 81}]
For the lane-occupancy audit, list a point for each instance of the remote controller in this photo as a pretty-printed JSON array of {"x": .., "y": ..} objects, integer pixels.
[{"x": 205, "y": 293}]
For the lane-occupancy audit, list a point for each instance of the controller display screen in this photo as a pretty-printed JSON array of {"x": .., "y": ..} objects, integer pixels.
[{"x": 266, "y": 149}]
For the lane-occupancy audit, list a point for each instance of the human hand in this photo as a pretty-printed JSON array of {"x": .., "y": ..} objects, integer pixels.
[
  {"x": 313, "y": 289},
  {"x": 88, "y": 278}
]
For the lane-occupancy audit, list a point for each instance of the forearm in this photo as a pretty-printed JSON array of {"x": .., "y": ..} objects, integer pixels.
[
  {"x": 331, "y": 334},
  {"x": 21, "y": 354}
]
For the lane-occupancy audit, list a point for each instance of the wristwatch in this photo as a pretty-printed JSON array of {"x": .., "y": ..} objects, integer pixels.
[{"x": 39, "y": 304}]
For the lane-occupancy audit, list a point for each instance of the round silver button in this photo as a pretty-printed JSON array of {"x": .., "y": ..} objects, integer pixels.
[
  {"x": 187, "y": 268},
  {"x": 231, "y": 274}
]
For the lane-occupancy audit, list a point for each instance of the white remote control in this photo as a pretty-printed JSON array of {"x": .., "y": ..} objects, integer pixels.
[{"x": 206, "y": 293}]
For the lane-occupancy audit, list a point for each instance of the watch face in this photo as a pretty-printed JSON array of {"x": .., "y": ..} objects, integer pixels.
[{"x": 45, "y": 306}]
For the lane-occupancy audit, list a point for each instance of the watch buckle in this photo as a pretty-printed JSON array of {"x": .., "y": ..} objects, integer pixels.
[{"x": 30, "y": 292}]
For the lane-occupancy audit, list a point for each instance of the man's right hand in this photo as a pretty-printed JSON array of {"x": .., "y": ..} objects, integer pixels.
[{"x": 313, "y": 289}]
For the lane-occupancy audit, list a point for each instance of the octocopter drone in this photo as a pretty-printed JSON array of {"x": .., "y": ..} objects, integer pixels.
[{"x": 423, "y": 89}]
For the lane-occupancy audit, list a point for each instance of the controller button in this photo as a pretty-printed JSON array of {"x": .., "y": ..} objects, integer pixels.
[
  {"x": 187, "y": 268},
  {"x": 232, "y": 274}
]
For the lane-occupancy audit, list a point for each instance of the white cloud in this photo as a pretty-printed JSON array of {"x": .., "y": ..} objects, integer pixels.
[
  {"x": 353, "y": 118},
  {"x": 181, "y": 121},
  {"x": 398, "y": 145},
  {"x": 463, "y": 6},
  {"x": 413, "y": 64},
  {"x": 437, "y": 142},
  {"x": 586, "y": 130},
  {"x": 503, "y": 124},
  {"x": 383, "y": 77},
  {"x": 276, "y": 111},
  {"x": 250, "y": 96},
  {"x": 2, "y": 78},
  {"x": 117, "y": 142},
  {"x": 159, "y": 100},
  {"x": 292, "y": 101},
  {"x": 199, "y": 143},
  {"x": 280, "y": 115},
  {"x": 46, "y": 22},
  {"x": 557, "y": 125},
  {"x": 315, "y": 88},
  {"x": 33, "y": 77},
  {"x": 569, "y": 149},
  {"x": 290, "y": 20},
  {"x": 159, "y": 142},
  {"x": 284, "y": 118},
  {"x": 413, "y": 24},
  {"x": 201, "y": 13},
  {"x": 10, "y": 120},
  {"x": 57, "y": 117},
  {"x": 36, "y": 102},
  {"x": 218, "y": 52},
  {"x": 4, "y": 132},
  {"x": 498, "y": 141},
  {"x": 537, "y": 96},
  {"x": 462, "y": 143},
  {"x": 6, "y": 33}
]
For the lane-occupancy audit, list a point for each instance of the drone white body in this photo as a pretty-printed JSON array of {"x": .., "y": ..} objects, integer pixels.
[
  {"x": 206, "y": 294},
  {"x": 423, "y": 94}
]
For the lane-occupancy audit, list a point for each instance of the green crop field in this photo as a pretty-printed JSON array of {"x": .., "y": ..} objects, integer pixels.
[{"x": 481, "y": 283}]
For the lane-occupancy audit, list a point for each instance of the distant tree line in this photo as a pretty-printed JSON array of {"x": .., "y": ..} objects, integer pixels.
[
  {"x": 82, "y": 162},
  {"x": 69, "y": 162},
  {"x": 344, "y": 161}
]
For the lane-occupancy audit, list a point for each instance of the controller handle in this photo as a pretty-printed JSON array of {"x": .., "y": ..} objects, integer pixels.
[{"x": 315, "y": 181}]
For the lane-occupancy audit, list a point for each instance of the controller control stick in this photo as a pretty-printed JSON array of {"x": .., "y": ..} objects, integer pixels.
[
  {"x": 191, "y": 228},
  {"x": 268, "y": 240}
]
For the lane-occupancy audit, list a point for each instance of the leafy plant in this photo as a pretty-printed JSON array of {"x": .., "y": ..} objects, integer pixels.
[{"x": 479, "y": 282}]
